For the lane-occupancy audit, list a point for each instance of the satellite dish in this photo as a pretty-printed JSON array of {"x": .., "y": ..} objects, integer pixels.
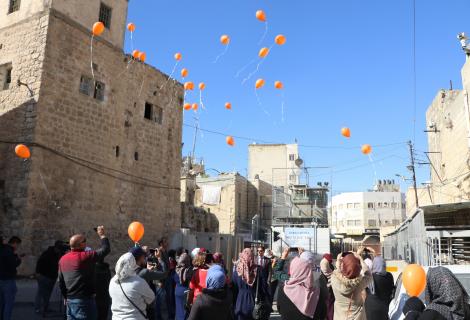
[{"x": 299, "y": 162}]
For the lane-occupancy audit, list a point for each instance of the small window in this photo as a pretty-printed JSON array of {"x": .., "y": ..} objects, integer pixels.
[
  {"x": 357, "y": 205},
  {"x": 350, "y": 223},
  {"x": 158, "y": 114},
  {"x": 349, "y": 206},
  {"x": 357, "y": 223},
  {"x": 14, "y": 6},
  {"x": 105, "y": 15},
  {"x": 136, "y": 156},
  {"x": 372, "y": 223},
  {"x": 7, "y": 81},
  {"x": 117, "y": 151},
  {"x": 394, "y": 205},
  {"x": 148, "y": 112},
  {"x": 291, "y": 157},
  {"x": 403, "y": 206},
  {"x": 292, "y": 178},
  {"x": 86, "y": 85},
  {"x": 385, "y": 204},
  {"x": 370, "y": 205},
  {"x": 99, "y": 91},
  {"x": 379, "y": 204}
]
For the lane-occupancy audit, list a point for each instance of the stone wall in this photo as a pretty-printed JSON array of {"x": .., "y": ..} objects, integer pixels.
[{"x": 76, "y": 179}]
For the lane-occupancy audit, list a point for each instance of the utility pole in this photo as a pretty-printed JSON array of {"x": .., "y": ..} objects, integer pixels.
[{"x": 412, "y": 169}]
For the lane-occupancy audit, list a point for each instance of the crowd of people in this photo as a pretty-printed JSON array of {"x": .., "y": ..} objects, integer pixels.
[{"x": 162, "y": 284}]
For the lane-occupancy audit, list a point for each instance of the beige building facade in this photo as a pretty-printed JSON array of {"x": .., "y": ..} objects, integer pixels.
[
  {"x": 274, "y": 163},
  {"x": 105, "y": 145}
]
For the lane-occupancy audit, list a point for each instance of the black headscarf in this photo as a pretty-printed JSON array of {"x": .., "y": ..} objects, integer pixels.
[
  {"x": 184, "y": 269},
  {"x": 446, "y": 295},
  {"x": 413, "y": 308}
]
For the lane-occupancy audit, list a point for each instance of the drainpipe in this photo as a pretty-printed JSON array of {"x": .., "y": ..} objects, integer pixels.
[{"x": 467, "y": 115}]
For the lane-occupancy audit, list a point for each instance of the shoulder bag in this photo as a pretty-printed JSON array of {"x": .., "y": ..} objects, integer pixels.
[{"x": 138, "y": 309}]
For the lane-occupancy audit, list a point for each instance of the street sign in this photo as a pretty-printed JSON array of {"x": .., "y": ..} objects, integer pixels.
[{"x": 312, "y": 239}]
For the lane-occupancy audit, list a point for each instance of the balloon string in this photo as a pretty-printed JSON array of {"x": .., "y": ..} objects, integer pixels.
[
  {"x": 244, "y": 68},
  {"x": 91, "y": 57},
  {"x": 260, "y": 104},
  {"x": 222, "y": 54},
  {"x": 373, "y": 166},
  {"x": 282, "y": 107},
  {"x": 200, "y": 100},
  {"x": 257, "y": 68},
  {"x": 170, "y": 76},
  {"x": 132, "y": 42},
  {"x": 265, "y": 32}
]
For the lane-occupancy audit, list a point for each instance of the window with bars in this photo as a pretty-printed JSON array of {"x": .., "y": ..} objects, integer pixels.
[
  {"x": 5, "y": 76},
  {"x": 105, "y": 15},
  {"x": 158, "y": 114},
  {"x": 86, "y": 85},
  {"x": 99, "y": 91},
  {"x": 370, "y": 205},
  {"x": 14, "y": 6},
  {"x": 372, "y": 223}
]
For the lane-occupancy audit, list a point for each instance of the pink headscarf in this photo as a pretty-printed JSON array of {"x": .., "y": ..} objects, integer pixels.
[
  {"x": 246, "y": 267},
  {"x": 299, "y": 288}
]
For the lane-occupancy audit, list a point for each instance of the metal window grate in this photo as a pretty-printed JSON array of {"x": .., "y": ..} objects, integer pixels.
[
  {"x": 105, "y": 15},
  {"x": 99, "y": 91},
  {"x": 14, "y": 6},
  {"x": 158, "y": 113},
  {"x": 86, "y": 85}
]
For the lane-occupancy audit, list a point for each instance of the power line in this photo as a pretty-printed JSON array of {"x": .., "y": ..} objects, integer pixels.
[
  {"x": 300, "y": 145},
  {"x": 89, "y": 165}
]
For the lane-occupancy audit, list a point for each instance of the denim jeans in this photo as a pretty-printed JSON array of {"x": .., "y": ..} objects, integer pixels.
[
  {"x": 7, "y": 298},
  {"x": 43, "y": 295},
  {"x": 81, "y": 309},
  {"x": 161, "y": 308}
]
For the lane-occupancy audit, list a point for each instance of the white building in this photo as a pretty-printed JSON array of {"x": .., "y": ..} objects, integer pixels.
[
  {"x": 376, "y": 212},
  {"x": 274, "y": 163}
]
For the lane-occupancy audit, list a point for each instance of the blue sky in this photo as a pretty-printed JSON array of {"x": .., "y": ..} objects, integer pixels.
[{"x": 345, "y": 63}]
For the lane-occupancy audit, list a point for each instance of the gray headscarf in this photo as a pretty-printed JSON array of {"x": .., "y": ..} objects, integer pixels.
[
  {"x": 446, "y": 295},
  {"x": 125, "y": 267},
  {"x": 184, "y": 268},
  {"x": 378, "y": 267}
]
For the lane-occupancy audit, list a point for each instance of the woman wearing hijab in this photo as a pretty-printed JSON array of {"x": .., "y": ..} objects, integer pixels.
[
  {"x": 326, "y": 268},
  {"x": 299, "y": 298},
  {"x": 348, "y": 281},
  {"x": 446, "y": 298},
  {"x": 413, "y": 308},
  {"x": 379, "y": 291},
  {"x": 182, "y": 277},
  {"x": 215, "y": 301},
  {"x": 245, "y": 281},
  {"x": 130, "y": 293}
]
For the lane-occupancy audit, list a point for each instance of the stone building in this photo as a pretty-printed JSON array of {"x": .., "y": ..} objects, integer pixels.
[
  {"x": 105, "y": 144},
  {"x": 235, "y": 202}
]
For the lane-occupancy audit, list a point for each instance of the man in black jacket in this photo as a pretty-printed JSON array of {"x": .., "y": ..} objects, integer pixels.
[
  {"x": 9, "y": 261},
  {"x": 47, "y": 269}
]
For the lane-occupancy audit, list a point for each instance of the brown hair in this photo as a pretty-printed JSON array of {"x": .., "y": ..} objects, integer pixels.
[{"x": 199, "y": 260}]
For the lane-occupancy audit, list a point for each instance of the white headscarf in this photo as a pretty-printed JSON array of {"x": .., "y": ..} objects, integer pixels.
[{"x": 125, "y": 267}]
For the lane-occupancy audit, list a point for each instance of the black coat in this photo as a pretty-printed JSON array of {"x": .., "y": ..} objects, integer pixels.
[
  {"x": 426, "y": 315},
  {"x": 377, "y": 304},
  {"x": 9, "y": 261},
  {"x": 48, "y": 263},
  {"x": 288, "y": 310},
  {"x": 212, "y": 305}
]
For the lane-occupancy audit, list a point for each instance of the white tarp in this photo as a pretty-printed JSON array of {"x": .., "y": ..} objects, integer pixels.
[{"x": 211, "y": 195}]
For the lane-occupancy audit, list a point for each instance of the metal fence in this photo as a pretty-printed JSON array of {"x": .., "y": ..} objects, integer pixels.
[{"x": 409, "y": 242}]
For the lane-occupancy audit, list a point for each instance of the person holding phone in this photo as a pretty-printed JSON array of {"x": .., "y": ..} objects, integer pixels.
[{"x": 348, "y": 281}]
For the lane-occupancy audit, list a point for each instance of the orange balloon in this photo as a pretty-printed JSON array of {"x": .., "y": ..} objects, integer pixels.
[
  {"x": 184, "y": 72},
  {"x": 280, "y": 39},
  {"x": 346, "y": 132},
  {"x": 98, "y": 28},
  {"x": 278, "y": 85},
  {"x": 195, "y": 106},
  {"x": 178, "y": 56},
  {"x": 131, "y": 27},
  {"x": 135, "y": 231},
  {"x": 260, "y": 15},
  {"x": 189, "y": 85},
  {"x": 228, "y": 106},
  {"x": 259, "y": 83},
  {"x": 202, "y": 86},
  {"x": 414, "y": 280},
  {"x": 142, "y": 56},
  {"x": 263, "y": 52},
  {"x": 230, "y": 141},
  {"x": 187, "y": 106},
  {"x": 22, "y": 151},
  {"x": 366, "y": 149},
  {"x": 135, "y": 54},
  {"x": 225, "y": 39}
]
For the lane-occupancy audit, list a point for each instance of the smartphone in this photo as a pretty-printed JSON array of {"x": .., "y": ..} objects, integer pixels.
[{"x": 294, "y": 249}]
